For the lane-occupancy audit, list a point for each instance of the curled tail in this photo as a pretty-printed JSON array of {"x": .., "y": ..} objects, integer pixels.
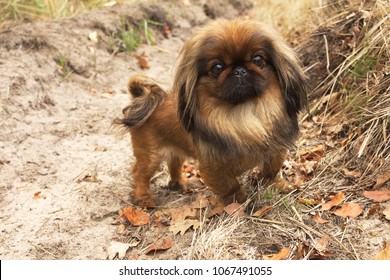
[{"x": 146, "y": 96}]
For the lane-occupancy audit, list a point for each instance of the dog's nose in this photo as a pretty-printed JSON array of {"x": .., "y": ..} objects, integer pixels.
[{"x": 239, "y": 72}]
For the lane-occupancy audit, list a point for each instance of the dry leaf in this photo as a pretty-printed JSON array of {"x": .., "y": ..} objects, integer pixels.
[
  {"x": 217, "y": 206},
  {"x": 283, "y": 185},
  {"x": 263, "y": 211},
  {"x": 118, "y": 249},
  {"x": 336, "y": 200},
  {"x": 384, "y": 254},
  {"x": 354, "y": 174},
  {"x": 161, "y": 219},
  {"x": 308, "y": 166},
  {"x": 182, "y": 226},
  {"x": 136, "y": 217},
  {"x": 381, "y": 180},
  {"x": 377, "y": 196},
  {"x": 93, "y": 36},
  {"x": 200, "y": 202},
  {"x": 89, "y": 178},
  {"x": 282, "y": 255},
  {"x": 386, "y": 212},
  {"x": 37, "y": 195},
  {"x": 234, "y": 209},
  {"x": 180, "y": 214},
  {"x": 164, "y": 245},
  {"x": 322, "y": 243},
  {"x": 349, "y": 210},
  {"x": 143, "y": 61},
  {"x": 320, "y": 220},
  {"x": 166, "y": 31},
  {"x": 312, "y": 153},
  {"x": 300, "y": 251},
  {"x": 308, "y": 201}
]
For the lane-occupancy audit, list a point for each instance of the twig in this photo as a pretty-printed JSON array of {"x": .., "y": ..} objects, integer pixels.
[
  {"x": 319, "y": 234},
  {"x": 353, "y": 248},
  {"x": 327, "y": 54},
  {"x": 297, "y": 214}
]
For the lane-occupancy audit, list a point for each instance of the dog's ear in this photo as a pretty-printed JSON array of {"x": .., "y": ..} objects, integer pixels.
[
  {"x": 292, "y": 79},
  {"x": 184, "y": 110},
  {"x": 185, "y": 80}
]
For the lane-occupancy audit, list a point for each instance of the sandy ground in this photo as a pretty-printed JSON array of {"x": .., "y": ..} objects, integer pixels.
[{"x": 55, "y": 129}]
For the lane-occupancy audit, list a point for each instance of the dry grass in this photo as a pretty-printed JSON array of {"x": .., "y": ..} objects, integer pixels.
[
  {"x": 348, "y": 63},
  {"x": 360, "y": 84},
  {"x": 11, "y": 10}
]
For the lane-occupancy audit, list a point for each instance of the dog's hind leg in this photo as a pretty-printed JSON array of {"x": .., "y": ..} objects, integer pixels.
[{"x": 178, "y": 181}]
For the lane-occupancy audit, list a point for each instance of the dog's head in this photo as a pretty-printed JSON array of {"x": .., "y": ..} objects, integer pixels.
[{"x": 235, "y": 62}]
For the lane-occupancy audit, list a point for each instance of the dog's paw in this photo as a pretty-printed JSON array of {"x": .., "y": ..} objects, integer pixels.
[
  {"x": 146, "y": 201},
  {"x": 175, "y": 186},
  {"x": 239, "y": 196}
]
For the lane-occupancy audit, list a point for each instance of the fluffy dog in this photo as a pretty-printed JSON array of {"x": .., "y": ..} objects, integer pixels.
[{"x": 237, "y": 92}]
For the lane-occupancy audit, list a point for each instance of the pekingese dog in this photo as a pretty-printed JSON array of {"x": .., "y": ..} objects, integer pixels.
[{"x": 237, "y": 92}]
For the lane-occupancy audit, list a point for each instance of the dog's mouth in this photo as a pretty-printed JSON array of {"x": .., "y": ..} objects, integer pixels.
[{"x": 237, "y": 90}]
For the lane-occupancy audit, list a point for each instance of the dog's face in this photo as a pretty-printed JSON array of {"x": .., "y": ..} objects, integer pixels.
[
  {"x": 237, "y": 62},
  {"x": 231, "y": 69}
]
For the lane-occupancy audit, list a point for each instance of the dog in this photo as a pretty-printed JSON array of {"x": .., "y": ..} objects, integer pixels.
[{"x": 234, "y": 104}]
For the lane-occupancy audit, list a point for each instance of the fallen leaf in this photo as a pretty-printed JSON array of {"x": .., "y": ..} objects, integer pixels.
[
  {"x": 180, "y": 214},
  {"x": 89, "y": 178},
  {"x": 118, "y": 249},
  {"x": 381, "y": 180},
  {"x": 354, "y": 174},
  {"x": 319, "y": 220},
  {"x": 143, "y": 61},
  {"x": 217, "y": 206},
  {"x": 161, "y": 219},
  {"x": 373, "y": 210},
  {"x": 200, "y": 202},
  {"x": 282, "y": 255},
  {"x": 308, "y": 201},
  {"x": 234, "y": 209},
  {"x": 93, "y": 36},
  {"x": 163, "y": 246},
  {"x": 136, "y": 217},
  {"x": 166, "y": 31},
  {"x": 377, "y": 196},
  {"x": 283, "y": 185},
  {"x": 301, "y": 248},
  {"x": 312, "y": 153},
  {"x": 36, "y": 195},
  {"x": 336, "y": 200},
  {"x": 261, "y": 212},
  {"x": 384, "y": 254},
  {"x": 215, "y": 211},
  {"x": 322, "y": 244},
  {"x": 386, "y": 212},
  {"x": 349, "y": 210},
  {"x": 182, "y": 226},
  {"x": 307, "y": 167}
]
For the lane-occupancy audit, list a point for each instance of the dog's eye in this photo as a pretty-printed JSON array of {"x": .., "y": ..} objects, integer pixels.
[
  {"x": 217, "y": 68},
  {"x": 258, "y": 60}
]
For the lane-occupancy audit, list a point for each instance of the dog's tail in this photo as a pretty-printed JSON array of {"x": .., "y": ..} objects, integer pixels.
[{"x": 146, "y": 96}]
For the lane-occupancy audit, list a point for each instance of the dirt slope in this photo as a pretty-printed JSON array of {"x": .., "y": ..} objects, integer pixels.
[{"x": 60, "y": 91}]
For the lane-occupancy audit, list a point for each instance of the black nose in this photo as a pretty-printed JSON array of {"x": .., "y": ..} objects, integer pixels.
[{"x": 239, "y": 71}]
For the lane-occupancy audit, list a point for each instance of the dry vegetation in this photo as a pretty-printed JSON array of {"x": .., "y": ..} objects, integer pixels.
[
  {"x": 344, "y": 149},
  {"x": 346, "y": 51}
]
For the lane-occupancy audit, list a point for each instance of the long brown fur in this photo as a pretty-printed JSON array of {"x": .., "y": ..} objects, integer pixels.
[{"x": 209, "y": 117}]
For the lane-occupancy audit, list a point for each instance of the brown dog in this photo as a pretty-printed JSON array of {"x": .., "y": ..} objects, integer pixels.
[{"x": 237, "y": 91}]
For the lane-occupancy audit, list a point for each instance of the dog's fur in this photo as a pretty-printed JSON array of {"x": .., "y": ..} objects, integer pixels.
[{"x": 231, "y": 117}]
